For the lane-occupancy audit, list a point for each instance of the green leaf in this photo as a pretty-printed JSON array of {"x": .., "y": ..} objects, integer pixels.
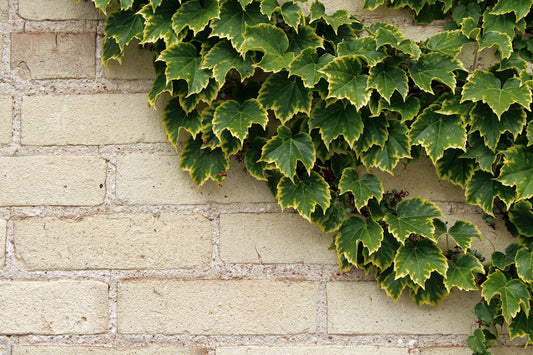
[
  {"x": 102, "y": 4},
  {"x": 384, "y": 256},
  {"x": 268, "y": 7},
  {"x": 408, "y": 109},
  {"x": 413, "y": 215},
  {"x": 337, "y": 120},
  {"x": 499, "y": 40},
  {"x": 521, "y": 215},
  {"x": 203, "y": 164},
  {"x": 374, "y": 133},
  {"x": 437, "y": 132},
  {"x": 234, "y": 19},
  {"x": 339, "y": 18},
  {"x": 363, "y": 189},
  {"x": 354, "y": 231},
  {"x": 504, "y": 23},
  {"x": 433, "y": 293},
  {"x": 372, "y": 4},
  {"x": 513, "y": 294},
  {"x": 455, "y": 168},
  {"x": 124, "y": 26},
  {"x": 183, "y": 62},
  {"x": 304, "y": 194},
  {"x": 491, "y": 127},
  {"x": 307, "y": 66},
  {"x": 519, "y": 7},
  {"x": 237, "y": 118},
  {"x": 160, "y": 84},
  {"x": 447, "y": 42},
  {"x": 126, "y": 4},
  {"x": 292, "y": 14},
  {"x": 346, "y": 81},
  {"x": 364, "y": 48},
  {"x": 245, "y": 3},
  {"x": 195, "y": 14},
  {"x": 222, "y": 58},
  {"x": 522, "y": 325},
  {"x": 434, "y": 66},
  {"x": 158, "y": 22},
  {"x": 477, "y": 343},
  {"x": 285, "y": 96},
  {"x": 486, "y": 87},
  {"x": 462, "y": 274},
  {"x": 464, "y": 11},
  {"x": 270, "y": 40},
  {"x": 387, "y": 79},
  {"x": 387, "y": 34},
  {"x": 419, "y": 261},
  {"x": 306, "y": 37},
  {"x": 392, "y": 285},
  {"x": 174, "y": 119},
  {"x": 517, "y": 171},
  {"x": 482, "y": 189},
  {"x": 482, "y": 154},
  {"x": 329, "y": 221},
  {"x": 524, "y": 265},
  {"x": 111, "y": 50},
  {"x": 463, "y": 232},
  {"x": 396, "y": 147},
  {"x": 252, "y": 162},
  {"x": 285, "y": 150}
]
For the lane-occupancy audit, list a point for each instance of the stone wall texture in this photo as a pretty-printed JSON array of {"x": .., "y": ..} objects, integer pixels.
[{"x": 107, "y": 248}]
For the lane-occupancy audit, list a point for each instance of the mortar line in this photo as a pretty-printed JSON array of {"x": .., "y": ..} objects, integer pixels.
[{"x": 113, "y": 298}]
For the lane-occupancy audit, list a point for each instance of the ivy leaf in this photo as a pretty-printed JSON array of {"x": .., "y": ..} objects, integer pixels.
[
  {"x": 252, "y": 162},
  {"x": 419, "y": 261},
  {"x": 447, "y": 42},
  {"x": 434, "y": 66},
  {"x": 175, "y": 118},
  {"x": 203, "y": 164},
  {"x": 387, "y": 34},
  {"x": 285, "y": 96},
  {"x": 292, "y": 14},
  {"x": 306, "y": 37},
  {"x": 386, "y": 79},
  {"x": 354, "y": 231},
  {"x": 158, "y": 22},
  {"x": 273, "y": 42},
  {"x": 437, "y": 132},
  {"x": 102, "y": 4},
  {"x": 519, "y": 7},
  {"x": 245, "y": 3},
  {"x": 392, "y": 285},
  {"x": 111, "y": 50},
  {"x": 307, "y": 66},
  {"x": 304, "y": 193},
  {"x": 346, "y": 81},
  {"x": 413, "y": 215},
  {"x": 183, "y": 62},
  {"x": 499, "y": 40},
  {"x": 485, "y": 86},
  {"x": 517, "y": 171},
  {"x": 504, "y": 23},
  {"x": 408, "y": 109},
  {"x": 396, "y": 147},
  {"x": 470, "y": 10},
  {"x": 330, "y": 220},
  {"x": 222, "y": 58},
  {"x": 363, "y": 189},
  {"x": 237, "y": 118},
  {"x": 372, "y": 4},
  {"x": 337, "y": 120},
  {"x": 268, "y": 7},
  {"x": 463, "y": 232},
  {"x": 339, "y": 18},
  {"x": 195, "y": 14},
  {"x": 374, "y": 133},
  {"x": 124, "y": 26},
  {"x": 454, "y": 167},
  {"x": 491, "y": 127},
  {"x": 234, "y": 19},
  {"x": 521, "y": 216},
  {"x": 462, "y": 274},
  {"x": 384, "y": 256},
  {"x": 365, "y": 48},
  {"x": 513, "y": 294},
  {"x": 482, "y": 154},
  {"x": 433, "y": 293},
  {"x": 482, "y": 189},
  {"x": 285, "y": 150},
  {"x": 522, "y": 325},
  {"x": 524, "y": 265},
  {"x": 160, "y": 84}
]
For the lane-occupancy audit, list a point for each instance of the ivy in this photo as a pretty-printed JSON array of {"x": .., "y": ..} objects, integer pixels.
[{"x": 342, "y": 97}]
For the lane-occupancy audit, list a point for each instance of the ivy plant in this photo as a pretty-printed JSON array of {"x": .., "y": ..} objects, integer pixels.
[{"x": 310, "y": 101}]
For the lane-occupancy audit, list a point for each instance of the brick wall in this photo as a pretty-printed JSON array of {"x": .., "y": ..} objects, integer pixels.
[{"x": 107, "y": 248}]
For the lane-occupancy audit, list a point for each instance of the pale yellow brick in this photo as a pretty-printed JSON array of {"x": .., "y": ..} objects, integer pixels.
[
  {"x": 313, "y": 350},
  {"x": 4, "y": 9},
  {"x": 79, "y": 350},
  {"x": 157, "y": 179},
  {"x": 90, "y": 120},
  {"x": 3, "y": 230},
  {"x": 39, "y": 10},
  {"x": 54, "y": 55},
  {"x": 379, "y": 314},
  {"x": 113, "y": 242},
  {"x": 6, "y": 114},
  {"x": 217, "y": 307},
  {"x": 419, "y": 179},
  {"x": 496, "y": 350},
  {"x": 52, "y": 180},
  {"x": 273, "y": 238},
  {"x": 137, "y": 63},
  {"x": 56, "y": 307}
]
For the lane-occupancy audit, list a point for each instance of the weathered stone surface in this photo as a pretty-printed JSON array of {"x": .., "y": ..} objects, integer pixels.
[
  {"x": 38, "y": 10},
  {"x": 79, "y": 350},
  {"x": 6, "y": 114}
]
